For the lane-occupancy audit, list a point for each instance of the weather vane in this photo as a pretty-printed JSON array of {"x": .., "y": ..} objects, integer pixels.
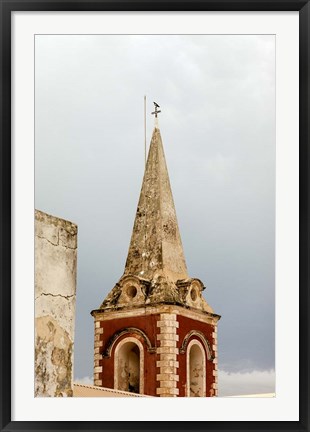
[{"x": 156, "y": 110}]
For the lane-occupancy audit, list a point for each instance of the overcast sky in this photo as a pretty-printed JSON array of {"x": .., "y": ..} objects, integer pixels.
[{"x": 217, "y": 96}]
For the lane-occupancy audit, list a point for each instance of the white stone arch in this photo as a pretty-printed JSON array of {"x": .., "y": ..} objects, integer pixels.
[
  {"x": 195, "y": 369},
  {"x": 120, "y": 357}
]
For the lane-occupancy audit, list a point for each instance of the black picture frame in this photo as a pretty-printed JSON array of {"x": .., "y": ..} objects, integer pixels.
[{"x": 9, "y": 6}]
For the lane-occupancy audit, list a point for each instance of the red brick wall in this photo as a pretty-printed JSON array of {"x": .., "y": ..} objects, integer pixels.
[
  {"x": 148, "y": 325},
  {"x": 185, "y": 326}
]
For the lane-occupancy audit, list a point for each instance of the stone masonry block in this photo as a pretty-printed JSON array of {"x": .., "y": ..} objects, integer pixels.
[
  {"x": 98, "y": 344},
  {"x": 168, "y": 384},
  {"x": 168, "y": 343},
  {"x": 168, "y": 336},
  {"x": 167, "y": 350},
  {"x": 167, "y": 377},
  {"x": 167, "y": 363},
  {"x": 167, "y": 324},
  {"x": 168, "y": 370},
  {"x": 167, "y": 392},
  {"x": 168, "y": 330},
  {"x": 168, "y": 357}
]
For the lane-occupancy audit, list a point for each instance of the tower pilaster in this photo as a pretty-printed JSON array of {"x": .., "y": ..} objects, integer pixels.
[{"x": 168, "y": 365}]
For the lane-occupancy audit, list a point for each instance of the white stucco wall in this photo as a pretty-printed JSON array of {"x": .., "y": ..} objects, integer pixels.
[{"x": 55, "y": 298}]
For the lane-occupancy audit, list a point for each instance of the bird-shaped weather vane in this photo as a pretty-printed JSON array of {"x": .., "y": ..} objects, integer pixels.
[{"x": 156, "y": 112}]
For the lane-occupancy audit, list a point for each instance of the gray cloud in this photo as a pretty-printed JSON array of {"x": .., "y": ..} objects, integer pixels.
[{"x": 246, "y": 383}]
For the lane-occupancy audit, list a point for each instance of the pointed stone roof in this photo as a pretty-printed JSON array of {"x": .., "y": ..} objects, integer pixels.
[
  {"x": 155, "y": 271},
  {"x": 155, "y": 246}
]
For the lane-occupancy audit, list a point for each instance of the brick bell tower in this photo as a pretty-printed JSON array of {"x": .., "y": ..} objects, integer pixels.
[{"x": 154, "y": 333}]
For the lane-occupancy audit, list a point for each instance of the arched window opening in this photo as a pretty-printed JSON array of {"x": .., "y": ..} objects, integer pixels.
[
  {"x": 128, "y": 366},
  {"x": 196, "y": 370}
]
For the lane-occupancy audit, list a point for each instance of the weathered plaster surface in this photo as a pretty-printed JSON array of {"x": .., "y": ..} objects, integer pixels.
[
  {"x": 53, "y": 359},
  {"x": 55, "y": 296}
]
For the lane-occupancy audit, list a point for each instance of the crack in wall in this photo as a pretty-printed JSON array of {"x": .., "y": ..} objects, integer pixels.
[
  {"x": 57, "y": 244},
  {"x": 68, "y": 247},
  {"x": 44, "y": 238},
  {"x": 55, "y": 295}
]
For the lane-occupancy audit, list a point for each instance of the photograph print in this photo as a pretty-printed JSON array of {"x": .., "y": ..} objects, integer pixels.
[{"x": 154, "y": 216}]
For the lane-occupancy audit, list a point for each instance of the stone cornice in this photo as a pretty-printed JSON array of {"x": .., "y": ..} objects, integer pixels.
[{"x": 125, "y": 312}]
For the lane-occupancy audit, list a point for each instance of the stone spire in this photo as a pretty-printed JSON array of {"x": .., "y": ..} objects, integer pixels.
[
  {"x": 155, "y": 271},
  {"x": 155, "y": 247}
]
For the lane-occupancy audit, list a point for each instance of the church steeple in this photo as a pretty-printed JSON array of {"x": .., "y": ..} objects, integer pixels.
[
  {"x": 155, "y": 334},
  {"x": 156, "y": 246}
]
